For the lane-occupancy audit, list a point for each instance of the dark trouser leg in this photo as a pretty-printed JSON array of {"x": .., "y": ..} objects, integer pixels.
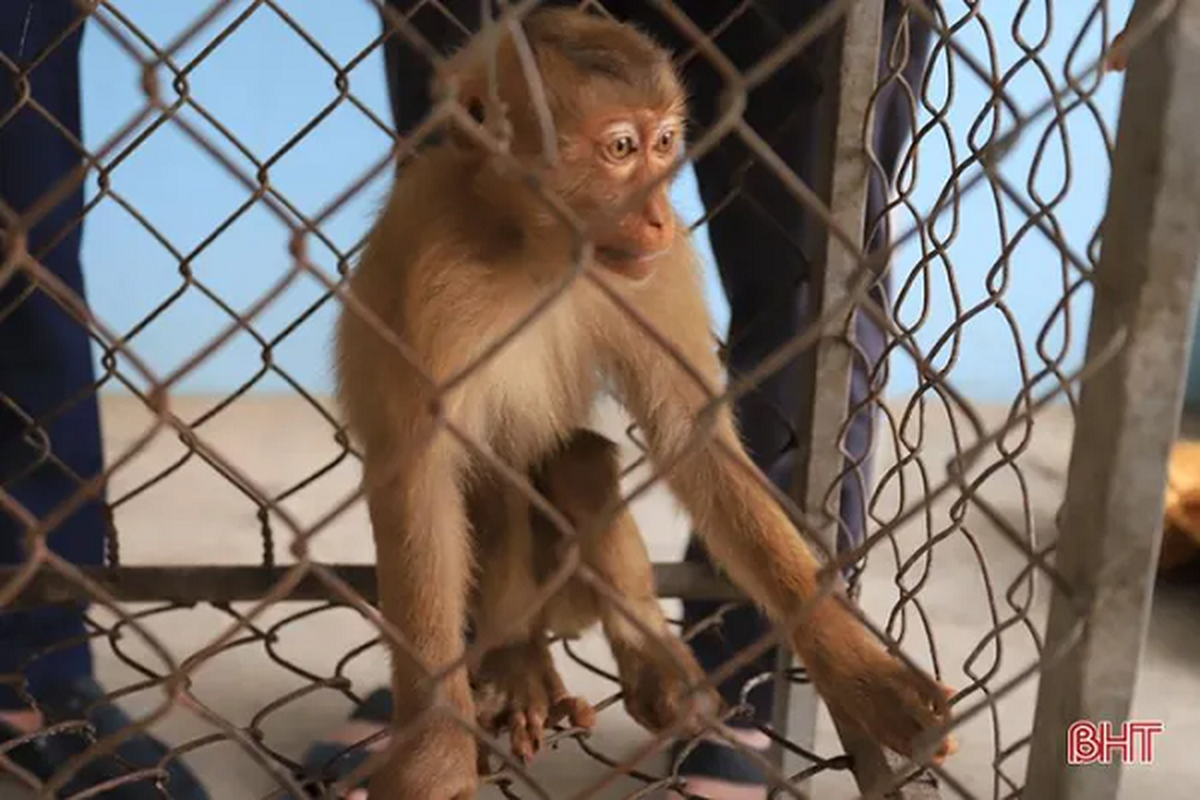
[
  {"x": 408, "y": 72},
  {"x": 757, "y": 240},
  {"x": 45, "y": 361}
]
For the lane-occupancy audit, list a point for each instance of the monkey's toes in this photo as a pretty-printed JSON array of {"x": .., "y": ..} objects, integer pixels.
[
  {"x": 519, "y": 692},
  {"x": 526, "y": 723},
  {"x": 575, "y": 710},
  {"x": 526, "y": 732}
]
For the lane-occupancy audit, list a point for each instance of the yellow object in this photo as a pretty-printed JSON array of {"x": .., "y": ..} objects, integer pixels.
[{"x": 1181, "y": 538}]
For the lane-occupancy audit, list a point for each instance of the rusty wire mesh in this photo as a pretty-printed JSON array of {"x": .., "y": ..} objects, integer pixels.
[{"x": 954, "y": 483}]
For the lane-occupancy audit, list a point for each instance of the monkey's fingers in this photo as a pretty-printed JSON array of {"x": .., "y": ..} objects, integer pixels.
[
  {"x": 889, "y": 701},
  {"x": 921, "y": 706},
  {"x": 949, "y": 743},
  {"x": 658, "y": 688},
  {"x": 949, "y": 747}
]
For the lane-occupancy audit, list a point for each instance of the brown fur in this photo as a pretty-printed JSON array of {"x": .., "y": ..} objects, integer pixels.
[
  {"x": 517, "y": 687},
  {"x": 462, "y": 253}
]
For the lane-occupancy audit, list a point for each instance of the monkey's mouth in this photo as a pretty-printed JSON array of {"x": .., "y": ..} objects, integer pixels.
[{"x": 630, "y": 263}]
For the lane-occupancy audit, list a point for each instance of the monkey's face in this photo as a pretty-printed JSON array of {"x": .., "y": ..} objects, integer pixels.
[
  {"x": 625, "y": 158},
  {"x": 618, "y": 108}
]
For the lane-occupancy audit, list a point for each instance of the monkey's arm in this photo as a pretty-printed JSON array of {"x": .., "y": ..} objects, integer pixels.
[
  {"x": 422, "y": 567},
  {"x": 752, "y": 540},
  {"x": 422, "y": 550}
]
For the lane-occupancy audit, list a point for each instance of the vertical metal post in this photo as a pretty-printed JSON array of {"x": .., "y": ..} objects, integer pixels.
[
  {"x": 1128, "y": 412},
  {"x": 851, "y": 66}
]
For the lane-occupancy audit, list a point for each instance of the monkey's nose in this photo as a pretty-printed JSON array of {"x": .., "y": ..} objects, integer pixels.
[{"x": 656, "y": 214}]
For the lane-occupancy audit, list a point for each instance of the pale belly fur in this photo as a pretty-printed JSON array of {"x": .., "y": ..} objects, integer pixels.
[{"x": 531, "y": 393}]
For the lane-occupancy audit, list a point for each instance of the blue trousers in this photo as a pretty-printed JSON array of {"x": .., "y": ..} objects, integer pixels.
[
  {"x": 757, "y": 238},
  {"x": 46, "y": 366}
]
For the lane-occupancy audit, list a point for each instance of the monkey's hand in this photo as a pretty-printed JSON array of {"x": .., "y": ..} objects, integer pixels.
[
  {"x": 656, "y": 680},
  {"x": 517, "y": 689},
  {"x": 866, "y": 687}
]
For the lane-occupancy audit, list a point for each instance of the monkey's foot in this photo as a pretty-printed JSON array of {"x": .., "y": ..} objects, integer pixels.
[
  {"x": 518, "y": 690},
  {"x": 436, "y": 763},
  {"x": 657, "y": 679},
  {"x": 886, "y": 699}
]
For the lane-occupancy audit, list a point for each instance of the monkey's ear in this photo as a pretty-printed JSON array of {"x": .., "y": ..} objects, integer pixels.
[
  {"x": 461, "y": 78},
  {"x": 466, "y": 81}
]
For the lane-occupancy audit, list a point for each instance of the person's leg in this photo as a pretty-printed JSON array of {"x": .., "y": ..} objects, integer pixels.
[
  {"x": 45, "y": 360},
  {"x": 757, "y": 239},
  {"x": 445, "y": 26},
  {"x": 49, "y": 420}
]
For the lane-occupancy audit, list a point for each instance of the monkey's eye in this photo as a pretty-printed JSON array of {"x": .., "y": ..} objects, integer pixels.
[
  {"x": 621, "y": 148},
  {"x": 666, "y": 140}
]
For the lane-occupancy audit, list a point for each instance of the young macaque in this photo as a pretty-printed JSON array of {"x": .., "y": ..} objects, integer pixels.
[
  {"x": 464, "y": 250},
  {"x": 517, "y": 686}
]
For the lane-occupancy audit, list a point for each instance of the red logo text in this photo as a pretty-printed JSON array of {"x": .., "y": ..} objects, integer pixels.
[{"x": 1131, "y": 742}]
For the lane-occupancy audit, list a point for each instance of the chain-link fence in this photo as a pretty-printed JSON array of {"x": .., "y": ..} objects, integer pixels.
[{"x": 950, "y": 136}]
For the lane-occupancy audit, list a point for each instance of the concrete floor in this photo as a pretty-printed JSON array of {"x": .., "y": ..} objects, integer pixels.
[{"x": 196, "y": 516}]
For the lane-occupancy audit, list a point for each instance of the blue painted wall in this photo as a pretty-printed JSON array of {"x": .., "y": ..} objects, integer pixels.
[{"x": 264, "y": 83}]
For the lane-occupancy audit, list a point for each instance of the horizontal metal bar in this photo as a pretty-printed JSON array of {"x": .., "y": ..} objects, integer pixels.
[{"x": 227, "y": 584}]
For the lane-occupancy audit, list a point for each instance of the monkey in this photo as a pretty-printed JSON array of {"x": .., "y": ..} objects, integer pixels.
[
  {"x": 437, "y": 394},
  {"x": 517, "y": 686}
]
